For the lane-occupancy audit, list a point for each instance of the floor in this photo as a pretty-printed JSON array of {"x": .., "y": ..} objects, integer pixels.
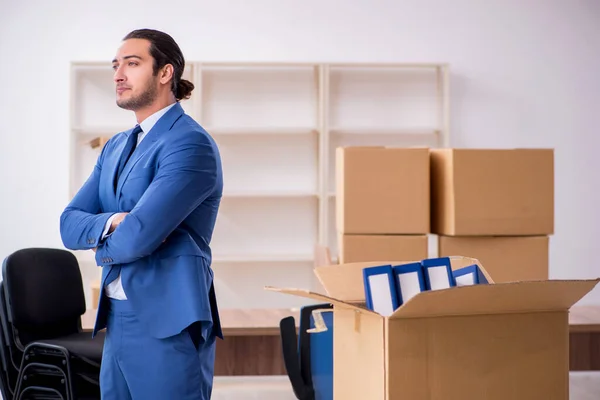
[
  {"x": 583, "y": 386},
  {"x": 252, "y": 388}
]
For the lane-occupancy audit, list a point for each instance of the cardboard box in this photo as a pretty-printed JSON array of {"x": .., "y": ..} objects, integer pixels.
[
  {"x": 492, "y": 192},
  {"x": 497, "y": 341},
  {"x": 359, "y": 248},
  {"x": 382, "y": 190},
  {"x": 505, "y": 258}
]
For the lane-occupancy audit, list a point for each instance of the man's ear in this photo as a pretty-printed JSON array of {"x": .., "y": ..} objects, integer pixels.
[{"x": 166, "y": 73}]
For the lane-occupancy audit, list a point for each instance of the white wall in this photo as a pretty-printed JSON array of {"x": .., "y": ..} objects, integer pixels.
[{"x": 524, "y": 74}]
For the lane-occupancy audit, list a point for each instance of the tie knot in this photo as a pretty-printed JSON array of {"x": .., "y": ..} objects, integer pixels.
[{"x": 136, "y": 131}]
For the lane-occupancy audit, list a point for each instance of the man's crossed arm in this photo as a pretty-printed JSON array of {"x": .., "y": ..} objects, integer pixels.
[{"x": 187, "y": 176}]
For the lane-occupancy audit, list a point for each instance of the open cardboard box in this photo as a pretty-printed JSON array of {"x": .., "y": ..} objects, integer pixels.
[{"x": 496, "y": 341}]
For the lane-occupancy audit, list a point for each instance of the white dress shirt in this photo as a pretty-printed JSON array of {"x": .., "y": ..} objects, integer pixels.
[{"x": 115, "y": 288}]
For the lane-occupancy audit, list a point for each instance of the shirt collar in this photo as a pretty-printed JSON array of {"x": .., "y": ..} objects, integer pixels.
[{"x": 149, "y": 122}]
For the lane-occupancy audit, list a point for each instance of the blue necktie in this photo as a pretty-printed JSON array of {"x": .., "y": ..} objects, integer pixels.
[{"x": 127, "y": 152}]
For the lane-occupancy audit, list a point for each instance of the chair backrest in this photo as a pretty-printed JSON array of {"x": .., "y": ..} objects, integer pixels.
[
  {"x": 308, "y": 358},
  {"x": 321, "y": 358},
  {"x": 6, "y": 334},
  {"x": 43, "y": 292}
]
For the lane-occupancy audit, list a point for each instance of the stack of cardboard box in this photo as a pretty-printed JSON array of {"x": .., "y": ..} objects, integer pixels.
[
  {"x": 382, "y": 203},
  {"x": 496, "y": 206}
]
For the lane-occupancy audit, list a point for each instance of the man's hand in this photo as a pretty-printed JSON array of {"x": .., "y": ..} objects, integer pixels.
[
  {"x": 119, "y": 217},
  {"x": 116, "y": 221}
]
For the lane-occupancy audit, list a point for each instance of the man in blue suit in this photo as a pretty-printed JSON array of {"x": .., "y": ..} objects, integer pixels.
[{"x": 148, "y": 211}]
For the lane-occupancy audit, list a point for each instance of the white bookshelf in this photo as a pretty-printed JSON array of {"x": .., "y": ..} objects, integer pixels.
[{"x": 277, "y": 126}]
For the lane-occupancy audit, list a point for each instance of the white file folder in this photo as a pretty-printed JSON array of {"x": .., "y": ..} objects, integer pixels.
[
  {"x": 409, "y": 281},
  {"x": 438, "y": 273},
  {"x": 470, "y": 275},
  {"x": 380, "y": 289}
]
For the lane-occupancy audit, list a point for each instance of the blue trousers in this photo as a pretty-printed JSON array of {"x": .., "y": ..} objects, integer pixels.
[{"x": 138, "y": 366}]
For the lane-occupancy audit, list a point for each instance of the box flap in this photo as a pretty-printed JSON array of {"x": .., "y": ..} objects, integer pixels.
[
  {"x": 499, "y": 298},
  {"x": 322, "y": 256},
  {"x": 345, "y": 281},
  {"x": 316, "y": 296},
  {"x": 458, "y": 262}
]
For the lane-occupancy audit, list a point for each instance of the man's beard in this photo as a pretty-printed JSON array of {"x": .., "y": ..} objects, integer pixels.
[{"x": 146, "y": 98}]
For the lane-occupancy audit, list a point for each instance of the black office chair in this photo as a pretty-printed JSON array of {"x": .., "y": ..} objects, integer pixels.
[
  {"x": 5, "y": 377},
  {"x": 43, "y": 293},
  {"x": 9, "y": 369},
  {"x": 297, "y": 352},
  {"x": 45, "y": 381}
]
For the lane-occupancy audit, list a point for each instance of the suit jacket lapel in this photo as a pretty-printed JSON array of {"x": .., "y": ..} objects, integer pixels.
[
  {"x": 164, "y": 124},
  {"x": 111, "y": 163}
]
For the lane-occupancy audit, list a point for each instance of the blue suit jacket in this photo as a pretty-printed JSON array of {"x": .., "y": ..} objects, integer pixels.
[{"x": 171, "y": 187}]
